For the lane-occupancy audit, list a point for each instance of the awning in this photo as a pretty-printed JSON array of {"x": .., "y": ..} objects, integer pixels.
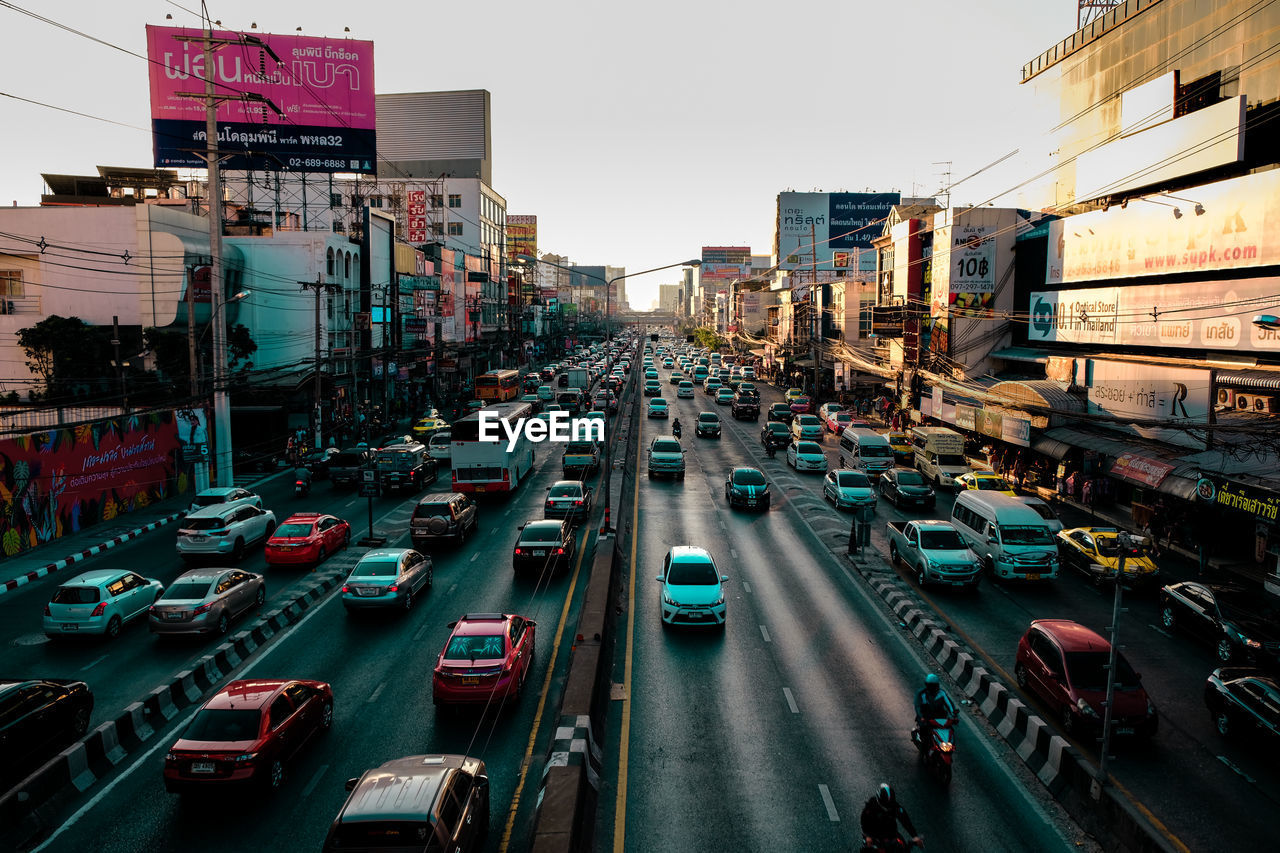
[
  {"x": 1022, "y": 354},
  {"x": 760, "y": 352},
  {"x": 1133, "y": 460},
  {"x": 1264, "y": 379},
  {"x": 803, "y": 362}
]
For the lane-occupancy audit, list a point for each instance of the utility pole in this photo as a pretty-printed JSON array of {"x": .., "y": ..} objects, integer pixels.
[
  {"x": 191, "y": 334},
  {"x": 1126, "y": 544},
  {"x": 115, "y": 343},
  {"x": 815, "y": 302},
  {"x": 320, "y": 286}
]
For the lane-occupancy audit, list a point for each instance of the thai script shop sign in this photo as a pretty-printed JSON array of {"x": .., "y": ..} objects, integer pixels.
[{"x": 1234, "y": 496}]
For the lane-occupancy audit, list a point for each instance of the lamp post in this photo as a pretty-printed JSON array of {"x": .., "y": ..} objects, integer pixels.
[{"x": 608, "y": 445}]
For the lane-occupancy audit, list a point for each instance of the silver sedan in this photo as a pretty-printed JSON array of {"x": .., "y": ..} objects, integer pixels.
[{"x": 205, "y": 601}]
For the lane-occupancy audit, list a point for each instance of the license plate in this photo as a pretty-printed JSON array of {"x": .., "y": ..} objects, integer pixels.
[
  {"x": 198, "y": 538},
  {"x": 482, "y": 488},
  {"x": 539, "y": 553},
  {"x": 694, "y": 615},
  {"x": 368, "y": 590},
  {"x": 470, "y": 680},
  {"x": 173, "y": 617},
  {"x": 69, "y": 627},
  {"x": 202, "y": 767},
  {"x": 1124, "y": 730},
  {"x": 1033, "y": 577}
]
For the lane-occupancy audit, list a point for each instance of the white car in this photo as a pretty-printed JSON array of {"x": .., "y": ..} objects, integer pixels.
[
  {"x": 221, "y": 496},
  {"x": 546, "y": 393},
  {"x": 229, "y": 530},
  {"x": 438, "y": 446},
  {"x": 807, "y": 427},
  {"x": 692, "y": 588},
  {"x": 847, "y": 488},
  {"x": 658, "y": 408},
  {"x": 684, "y": 390},
  {"x": 99, "y": 602},
  {"x": 807, "y": 456}
]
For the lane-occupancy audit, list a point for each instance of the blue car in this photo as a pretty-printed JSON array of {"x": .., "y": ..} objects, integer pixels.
[{"x": 387, "y": 578}]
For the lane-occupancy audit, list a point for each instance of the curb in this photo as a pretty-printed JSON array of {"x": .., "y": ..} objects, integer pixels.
[
  {"x": 1064, "y": 771},
  {"x": 27, "y": 578},
  {"x": 32, "y": 808}
]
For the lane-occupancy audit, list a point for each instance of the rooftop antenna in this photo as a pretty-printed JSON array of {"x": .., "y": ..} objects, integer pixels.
[{"x": 1089, "y": 11}]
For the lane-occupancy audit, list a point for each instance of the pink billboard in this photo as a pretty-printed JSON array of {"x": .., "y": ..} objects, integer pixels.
[{"x": 323, "y": 87}]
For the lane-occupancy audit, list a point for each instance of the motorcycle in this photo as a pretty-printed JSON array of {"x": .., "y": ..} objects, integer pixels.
[
  {"x": 770, "y": 449},
  {"x": 935, "y": 743},
  {"x": 676, "y": 430},
  {"x": 301, "y": 486},
  {"x": 897, "y": 844}
]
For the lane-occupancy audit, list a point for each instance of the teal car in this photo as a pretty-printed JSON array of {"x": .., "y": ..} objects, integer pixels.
[{"x": 387, "y": 578}]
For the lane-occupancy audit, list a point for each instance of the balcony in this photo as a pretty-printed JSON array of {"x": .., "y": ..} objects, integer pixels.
[{"x": 20, "y": 305}]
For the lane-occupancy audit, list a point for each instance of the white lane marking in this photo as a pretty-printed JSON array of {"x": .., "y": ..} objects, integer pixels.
[
  {"x": 373, "y": 697},
  {"x": 422, "y": 632},
  {"x": 746, "y": 586},
  {"x": 791, "y": 700},
  {"x": 1228, "y": 762},
  {"x": 829, "y": 803},
  {"x": 90, "y": 666},
  {"x": 765, "y": 633},
  {"x": 474, "y": 557},
  {"x": 165, "y": 742},
  {"x": 1159, "y": 630},
  {"x": 733, "y": 552},
  {"x": 508, "y": 512},
  {"x": 450, "y": 590},
  {"x": 311, "y": 786},
  {"x": 494, "y": 530}
]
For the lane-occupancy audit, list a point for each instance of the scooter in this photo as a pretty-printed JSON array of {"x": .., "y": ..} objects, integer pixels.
[
  {"x": 301, "y": 486},
  {"x": 890, "y": 845},
  {"x": 676, "y": 430},
  {"x": 935, "y": 743}
]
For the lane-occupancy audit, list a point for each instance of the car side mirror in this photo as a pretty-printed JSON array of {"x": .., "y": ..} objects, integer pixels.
[
  {"x": 724, "y": 579},
  {"x": 351, "y": 785},
  {"x": 991, "y": 540},
  {"x": 452, "y": 625},
  {"x": 660, "y": 578}
]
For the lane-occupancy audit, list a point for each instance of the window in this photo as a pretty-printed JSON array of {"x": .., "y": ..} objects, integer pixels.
[
  {"x": 328, "y": 258},
  {"x": 455, "y": 229},
  {"x": 338, "y": 227},
  {"x": 335, "y": 199},
  {"x": 347, "y": 266},
  {"x": 281, "y": 708},
  {"x": 298, "y": 693},
  {"x": 455, "y": 200},
  {"x": 11, "y": 283},
  {"x": 375, "y": 201},
  {"x": 437, "y": 201},
  {"x": 437, "y": 229}
]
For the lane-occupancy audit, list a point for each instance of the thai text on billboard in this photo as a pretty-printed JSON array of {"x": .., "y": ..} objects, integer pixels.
[
  {"x": 812, "y": 227},
  {"x": 522, "y": 237},
  {"x": 323, "y": 87}
]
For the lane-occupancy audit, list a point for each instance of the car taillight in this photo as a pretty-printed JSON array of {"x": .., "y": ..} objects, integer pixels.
[
  {"x": 550, "y": 503},
  {"x": 203, "y": 608},
  {"x": 100, "y": 609},
  {"x": 395, "y": 587},
  {"x": 578, "y": 502},
  {"x": 518, "y": 552},
  {"x": 46, "y": 611},
  {"x": 346, "y": 588},
  {"x": 559, "y": 550}
]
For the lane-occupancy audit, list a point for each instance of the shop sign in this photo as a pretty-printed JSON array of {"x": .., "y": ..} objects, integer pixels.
[
  {"x": 1148, "y": 392},
  {"x": 1140, "y": 469},
  {"x": 988, "y": 423},
  {"x": 926, "y": 406},
  {"x": 965, "y": 417},
  {"x": 947, "y": 413},
  {"x": 1016, "y": 430},
  {"x": 937, "y": 398},
  {"x": 1234, "y": 496}
]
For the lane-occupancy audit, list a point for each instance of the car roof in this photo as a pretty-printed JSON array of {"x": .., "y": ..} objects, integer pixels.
[
  {"x": 541, "y": 523},
  {"x": 569, "y": 482},
  {"x": 679, "y": 553},
  {"x": 480, "y": 623},
  {"x": 402, "y": 789},
  {"x": 385, "y": 554},
  {"x": 219, "y": 490},
  {"x": 305, "y": 516},
  {"x": 97, "y": 577},
  {"x": 208, "y": 573},
  {"x": 215, "y": 511},
  {"x": 248, "y": 693},
  {"x": 1072, "y": 636},
  {"x": 439, "y": 498}
]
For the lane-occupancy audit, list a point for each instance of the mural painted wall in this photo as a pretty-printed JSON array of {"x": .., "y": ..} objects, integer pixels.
[{"x": 58, "y": 482}]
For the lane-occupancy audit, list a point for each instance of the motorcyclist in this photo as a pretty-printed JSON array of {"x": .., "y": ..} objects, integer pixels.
[
  {"x": 932, "y": 703},
  {"x": 675, "y": 427},
  {"x": 881, "y": 816},
  {"x": 302, "y": 478}
]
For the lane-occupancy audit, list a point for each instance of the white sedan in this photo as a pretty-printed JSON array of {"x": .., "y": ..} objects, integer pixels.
[
  {"x": 807, "y": 427},
  {"x": 99, "y": 602},
  {"x": 658, "y": 408},
  {"x": 807, "y": 456}
]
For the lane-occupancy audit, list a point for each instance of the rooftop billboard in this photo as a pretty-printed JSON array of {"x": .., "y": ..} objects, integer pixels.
[{"x": 813, "y": 227}]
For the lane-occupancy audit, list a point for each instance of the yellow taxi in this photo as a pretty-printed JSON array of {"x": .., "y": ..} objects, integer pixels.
[
  {"x": 792, "y": 395},
  {"x": 1095, "y": 552},
  {"x": 903, "y": 451},
  {"x": 985, "y": 481},
  {"x": 429, "y": 424}
]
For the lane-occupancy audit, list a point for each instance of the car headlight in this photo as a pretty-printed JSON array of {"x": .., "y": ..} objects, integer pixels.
[
  {"x": 1151, "y": 708},
  {"x": 1085, "y": 709},
  {"x": 666, "y": 599},
  {"x": 1253, "y": 644},
  {"x": 248, "y": 756},
  {"x": 719, "y": 601}
]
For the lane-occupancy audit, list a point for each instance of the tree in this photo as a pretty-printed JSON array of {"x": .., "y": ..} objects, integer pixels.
[{"x": 66, "y": 352}]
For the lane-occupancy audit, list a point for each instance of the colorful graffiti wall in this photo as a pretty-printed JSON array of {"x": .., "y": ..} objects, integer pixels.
[{"x": 58, "y": 482}]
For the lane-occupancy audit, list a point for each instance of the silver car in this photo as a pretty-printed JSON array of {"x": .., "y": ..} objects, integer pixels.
[
  {"x": 847, "y": 488},
  {"x": 99, "y": 602},
  {"x": 387, "y": 577},
  {"x": 205, "y": 601},
  {"x": 222, "y": 496},
  {"x": 569, "y": 499},
  {"x": 226, "y": 529}
]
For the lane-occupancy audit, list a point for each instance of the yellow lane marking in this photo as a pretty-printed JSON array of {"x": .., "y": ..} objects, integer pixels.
[{"x": 624, "y": 741}]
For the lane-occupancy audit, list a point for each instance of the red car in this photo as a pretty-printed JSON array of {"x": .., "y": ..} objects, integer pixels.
[
  {"x": 246, "y": 733},
  {"x": 487, "y": 659},
  {"x": 306, "y": 538},
  {"x": 802, "y": 405}
]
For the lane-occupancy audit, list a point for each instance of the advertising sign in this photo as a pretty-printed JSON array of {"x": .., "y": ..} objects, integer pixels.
[
  {"x": 1240, "y": 498},
  {"x": 812, "y": 227},
  {"x": 965, "y": 417},
  {"x": 522, "y": 237},
  {"x": 725, "y": 263},
  {"x": 1210, "y": 315},
  {"x": 1238, "y": 228},
  {"x": 1141, "y": 469},
  {"x": 1148, "y": 392},
  {"x": 416, "y": 204},
  {"x": 323, "y": 87},
  {"x": 1015, "y": 430}
]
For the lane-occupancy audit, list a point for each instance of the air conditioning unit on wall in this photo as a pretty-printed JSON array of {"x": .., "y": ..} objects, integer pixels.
[
  {"x": 1268, "y": 405},
  {"x": 1227, "y": 398},
  {"x": 1244, "y": 402}
]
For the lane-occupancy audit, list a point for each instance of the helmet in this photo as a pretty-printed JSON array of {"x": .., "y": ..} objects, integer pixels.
[
  {"x": 885, "y": 796},
  {"x": 932, "y": 683}
]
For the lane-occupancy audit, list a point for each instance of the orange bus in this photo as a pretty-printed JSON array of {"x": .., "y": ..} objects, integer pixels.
[{"x": 498, "y": 386}]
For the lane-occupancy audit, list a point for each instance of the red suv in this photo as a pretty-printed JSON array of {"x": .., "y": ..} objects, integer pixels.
[
  {"x": 246, "y": 733},
  {"x": 487, "y": 659},
  {"x": 1065, "y": 664},
  {"x": 306, "y": 538}
]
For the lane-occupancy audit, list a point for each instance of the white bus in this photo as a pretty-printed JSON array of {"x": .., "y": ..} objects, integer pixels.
[{"x": 487, "y": 466}]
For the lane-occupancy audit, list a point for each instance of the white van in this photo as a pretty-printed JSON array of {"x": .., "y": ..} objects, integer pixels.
[
  {"x": 1011, "y": 538},
  {"x": 939, "y": 454},
  {"x": 1046, "y": 512},
  {"x": 866, "y": 450}
]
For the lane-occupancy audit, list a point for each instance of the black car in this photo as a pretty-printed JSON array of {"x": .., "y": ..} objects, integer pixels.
[
  {"x": 38, "y": 718},
  {"x": 707, "y": 425},
  {"x": 747, "y": 487},
  {"x": 775, "y": 434},
  {"x": 1244, "y": 703},
  {"x": 905, "y": 487},
  {"x": 543, "y": 543},
  {"x": 319, "y": 461},
  {"x": 746, "y": 407},
  {"x": 1230, "y": 617},
  {"x": 781, "y": 412}
]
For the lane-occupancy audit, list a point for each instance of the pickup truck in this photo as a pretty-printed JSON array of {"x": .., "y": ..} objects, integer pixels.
[
  {"x": 746, "y": 407},
  {"x": 580, "y": 459},
  {"x": 405, "y": 465},
  {"x": 935, "y": 551},
  {"x": 344, "y": 469}
]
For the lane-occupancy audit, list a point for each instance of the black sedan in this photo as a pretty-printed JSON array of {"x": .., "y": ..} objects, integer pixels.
[
  {"x": 1244, "y": 703},
  {"x": 747, "y": 487},
  {"x": 1230, "y": 617},
  {"x": 707, "y": 425},
  {"x": 318, "y": 461},
  {"x": 905, "y": 487},
  {"x": 780, "y": 412},
  {"x": 775, "y": 434},
  {"x": 543, "y": 544},
  {"x": 38, "y": 718}
]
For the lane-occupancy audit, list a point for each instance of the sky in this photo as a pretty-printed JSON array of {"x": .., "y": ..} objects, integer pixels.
[{"x": 637, "y": 133}]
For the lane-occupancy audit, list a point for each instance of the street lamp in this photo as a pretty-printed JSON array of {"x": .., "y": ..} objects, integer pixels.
[{"x": 608, "y": 286}]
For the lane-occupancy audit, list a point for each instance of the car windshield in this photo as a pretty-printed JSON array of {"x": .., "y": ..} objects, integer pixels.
[
  {"x": 441, "y": 438},
  {"x": 808, "y": 447},
  {"x": 1019, "y": 535},
  {"x": 210, "y": 500},
  {"x": 658, "y": 402},
  {"x": 810, "y": 420},
  {"x": 842, "y": 417},
  {"x": 990, "y": 484},
  {"x": 1088, "y": 670},
  {"x": 941, "y": 540},
  {"x": 748, "y": 477},
  {"x": 292, "y": 530},
  {"x": 432, "y": 510},
  {"x": 76, "y": 595},
  {"x": 224, "y": 724},
  {"x": 774, "y": 426},
  {"x": 954, "y": 460},
  {"x": 213, "y": 523},
  {"x": 1044, "y": 510},
  {"x": 377, "y": 568},
  {"x": 541, "y": 533},
  {"x": 709, "y": 418},
  {"x": 804, "y": 401},
  {"x": 346, "y": 458},
  {"x": 692, "y": 573},
  {"x": 475, "y": 646},
  {"x": 875, "y": 451},
  {"x": 667, "y": 446},
  {"x": 910, "y": 478},
  {"x": 187, "y": 591},
  {"x": 853, "y": 480},
  {"x": 568, "y": 490}
]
